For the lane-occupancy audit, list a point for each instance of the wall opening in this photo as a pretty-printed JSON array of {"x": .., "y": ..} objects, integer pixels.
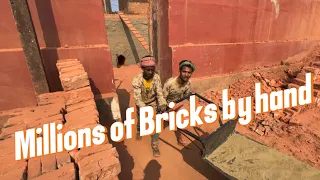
[{"x": 121, "y": 60}]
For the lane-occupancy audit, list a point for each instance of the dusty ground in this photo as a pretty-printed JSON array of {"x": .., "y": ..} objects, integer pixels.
[
  {"x": 138, "y": 8},
  {"x": 136, "y": 156}
]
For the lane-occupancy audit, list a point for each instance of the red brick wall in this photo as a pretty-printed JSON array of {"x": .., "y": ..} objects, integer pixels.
[
  {"x": 229, "y": 36},
  {"x": 65, "y": 29}
]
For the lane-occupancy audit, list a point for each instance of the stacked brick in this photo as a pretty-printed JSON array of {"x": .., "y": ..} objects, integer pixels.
[{"x": 75, "y": 108}]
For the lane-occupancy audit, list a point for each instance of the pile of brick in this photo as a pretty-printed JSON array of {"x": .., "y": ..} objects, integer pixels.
[
  {"x": 296, "y": 79},
  {"x": 75, "y": 108}
]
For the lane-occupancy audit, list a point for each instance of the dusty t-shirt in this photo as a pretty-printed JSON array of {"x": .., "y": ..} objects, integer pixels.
[{"x": 173, "y": 91}]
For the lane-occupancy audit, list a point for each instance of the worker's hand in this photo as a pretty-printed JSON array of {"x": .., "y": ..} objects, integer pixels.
[{"x": 163, "y": 108}]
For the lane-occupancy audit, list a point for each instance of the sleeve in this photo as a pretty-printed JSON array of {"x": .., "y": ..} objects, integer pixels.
[
  {"x": 160, "y": 95},
  {"x": 166, "y": 90},
  {"x": 137, "y": 93}
]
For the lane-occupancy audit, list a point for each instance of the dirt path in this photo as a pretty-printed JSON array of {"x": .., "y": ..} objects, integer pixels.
[{"x": 136, "y": 156}]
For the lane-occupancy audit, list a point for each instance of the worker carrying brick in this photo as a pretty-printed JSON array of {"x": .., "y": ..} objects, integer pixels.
[
  {"x": 176, "y": 88},
  {"x": 147, "y": 91}
]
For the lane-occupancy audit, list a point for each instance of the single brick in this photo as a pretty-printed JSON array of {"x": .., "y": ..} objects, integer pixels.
[
  {"x": 13, "y": 129},
  {"x": 7, "y": 146},
  {"x": 81, "y": 105},
  {"x": 74, "y": 80},
  {"x": 79, "y": 95},
  {"x": 16, "y": 172},
  {"x": 65, "y": 172},
  {"x": 51, "y": 98},
  {"x": 83, "y": 116},
  {"x": 67, "y": 69},
  {"x": 77, "y": 126},
  {"x": 298, "y": 82},
  {"x": 61, "y": 61},
  {"x": 290, "y": 112},
  {"x": 49, "y": 163},
  {"x": 88, "y": 151},
  {"x": 34, "y": 167},
  {"x": 7, "y": 163},
  {"x": 63, "y": 159},
  {"x": 39, "y": 123},
  {"x": 59, "y": 67},
  {"x": 99, "y": 167},
  {"x": 313, "y": 70}
]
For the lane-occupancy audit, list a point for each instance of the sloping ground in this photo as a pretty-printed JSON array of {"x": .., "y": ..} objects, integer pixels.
[
  {"x": 75, "y": 108},
  {"x": 293, "y": 131}
]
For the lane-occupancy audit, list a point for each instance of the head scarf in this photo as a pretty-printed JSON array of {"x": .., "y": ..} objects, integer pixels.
[
  {"x": 147, "y": 62},
  {"x": 187, "y": 63}
]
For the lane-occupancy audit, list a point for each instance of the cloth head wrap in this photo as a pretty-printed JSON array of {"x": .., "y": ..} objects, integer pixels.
[
  {"x": 187, "y": 63},
  {"x": 147, "y": 62}
]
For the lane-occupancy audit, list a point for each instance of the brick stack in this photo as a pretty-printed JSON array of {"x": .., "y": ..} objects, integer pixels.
[{"x": 96, "y": 162}]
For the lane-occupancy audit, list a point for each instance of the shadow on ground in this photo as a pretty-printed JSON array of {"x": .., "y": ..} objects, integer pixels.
[
  {"x": 106, "y": 119},
  {"x": 193, "y": 156},
  {"x": 152, "y": 170}
]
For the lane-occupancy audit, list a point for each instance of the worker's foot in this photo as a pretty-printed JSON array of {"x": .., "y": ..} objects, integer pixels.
[
  {"x": 156, "y": 152},
  {"x": 138, "y": 137}
]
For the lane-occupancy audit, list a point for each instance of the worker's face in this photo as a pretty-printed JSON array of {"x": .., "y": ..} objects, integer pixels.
[
  {"x": 148, "y": 72},
  {"x": 185, "y": 73}
]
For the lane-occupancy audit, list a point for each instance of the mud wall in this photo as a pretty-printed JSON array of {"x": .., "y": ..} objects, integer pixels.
[
  {"x": 63, "y": 32},
  {"x": 231, "y": 36}
]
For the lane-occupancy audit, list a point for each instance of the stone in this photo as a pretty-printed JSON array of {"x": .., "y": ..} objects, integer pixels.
[
  {"x": 49, "y": 163},
  {"x": 63, "y": 159},
  {"x": 78, "y": 96},
  {"x": 34, "y": 167},
  {"x": 65, "y": 172}
]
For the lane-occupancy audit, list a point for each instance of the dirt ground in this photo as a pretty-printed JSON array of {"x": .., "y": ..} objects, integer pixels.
[
  {"x": 138, "y": 8},
  {"x": 136, "y": 156}
]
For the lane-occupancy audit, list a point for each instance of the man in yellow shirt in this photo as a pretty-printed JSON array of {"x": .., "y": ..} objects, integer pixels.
[{"x": 147, "y": 91}]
